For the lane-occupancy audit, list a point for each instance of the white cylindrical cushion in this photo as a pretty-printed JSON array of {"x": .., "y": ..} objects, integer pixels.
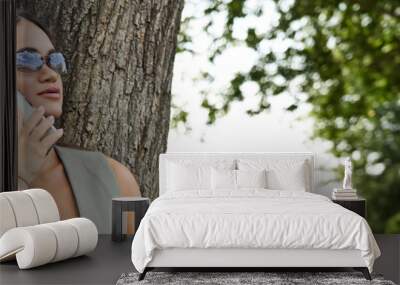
[
  {"x": 87, "y": 234},
  {"x": 23, "y": 208},
  {"x": 67, "y": 239},
  {"x": 46, "y": 207},
  {"x": 34, "y": 245},
  {"x": 41, "y": 244},
  {"x": 7, "y": 218}
]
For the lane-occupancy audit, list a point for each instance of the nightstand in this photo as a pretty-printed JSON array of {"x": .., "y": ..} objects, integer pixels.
[
  {"x": 358, "y": 205},
  {"x": 139, "y": 205}
]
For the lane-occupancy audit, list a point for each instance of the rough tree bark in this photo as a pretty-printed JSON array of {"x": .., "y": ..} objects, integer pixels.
[{"x": 118, "y": 89}]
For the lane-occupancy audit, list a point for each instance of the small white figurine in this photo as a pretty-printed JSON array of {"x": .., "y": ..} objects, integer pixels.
[{"x": 348, "y": 169}]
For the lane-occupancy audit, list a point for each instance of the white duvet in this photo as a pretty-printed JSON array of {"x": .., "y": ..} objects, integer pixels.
[{"x": 250, "y": 219}]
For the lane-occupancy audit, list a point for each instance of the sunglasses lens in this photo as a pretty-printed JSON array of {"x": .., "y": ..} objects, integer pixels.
[
  {"x": 29, "y": 61},
  {"x": 57, "y": 62}
]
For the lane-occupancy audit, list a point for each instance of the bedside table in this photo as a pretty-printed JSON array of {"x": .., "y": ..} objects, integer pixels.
[
  {"x": 139, "y": 205},
  {"x": 358, "y": 205}
]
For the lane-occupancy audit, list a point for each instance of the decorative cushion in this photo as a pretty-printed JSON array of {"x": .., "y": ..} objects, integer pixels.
[
  {"x": 67, "y": 237},
  {"x": 41, "y": 244},
  {"x": 198, "y": 171},
  {"x": 31, "y": 232},
  {"x": 27, "y": 208},
  {"x": 223, "y": 179},
  {"x": 45, "y": 205},
  {"x": 282, "y": 174},
  {"x": 87, "y": 235},
  {"x": 183, "y": 178},
  {"x": 31, "y": 246},
  {"x": 290, "y": 179},
  {"x": 24, "y": 210},
  {"x": 7, "y": 220},
  {"x": 251, "y": 178}
]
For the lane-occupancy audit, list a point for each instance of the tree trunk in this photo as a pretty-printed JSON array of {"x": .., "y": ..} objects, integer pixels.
[{"x": 117, "y": 93}]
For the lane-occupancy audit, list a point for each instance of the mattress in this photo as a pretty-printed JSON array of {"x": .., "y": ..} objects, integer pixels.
[{"x": 250, "y": 219}]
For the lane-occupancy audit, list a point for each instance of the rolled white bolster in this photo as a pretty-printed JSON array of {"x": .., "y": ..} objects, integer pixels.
[
  {"x": 87, "y": 235},
  {"x": 41, "y": 244},
  {"x": 23, "y": 208},
  {"x": 67, "y": 240},
  {"x": 7, "y": 218},
  {"x": 46, "y": 207},
  {"x": 34, "y": 245}
]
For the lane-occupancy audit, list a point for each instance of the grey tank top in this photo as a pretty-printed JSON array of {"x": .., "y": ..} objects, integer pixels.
[{"x": 93, "y": 184}]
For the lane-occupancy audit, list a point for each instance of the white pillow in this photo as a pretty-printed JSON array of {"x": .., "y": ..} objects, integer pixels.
[
  {"x": 183, "y": 177},
  {"x": 251, "y": 178},
  {"x": 223, "y": 179},
  {"x": 173, "y": 176},
  {"x": 217, "y": 163},
  {"x": 282, "y": 174},
  {"x": 290, "y": 179}
]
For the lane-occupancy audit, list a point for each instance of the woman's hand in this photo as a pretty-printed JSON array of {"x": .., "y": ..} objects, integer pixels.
[{"x": 34, "y": 143}]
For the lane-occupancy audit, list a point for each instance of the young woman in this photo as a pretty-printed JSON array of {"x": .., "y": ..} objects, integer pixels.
[{"x": 81, "y": 182}]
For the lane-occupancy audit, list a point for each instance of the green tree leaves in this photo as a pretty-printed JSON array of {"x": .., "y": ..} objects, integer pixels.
[{"x": 345, "y": 58}]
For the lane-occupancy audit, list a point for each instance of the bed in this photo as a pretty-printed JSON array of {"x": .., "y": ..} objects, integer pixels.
[{"x": 247, "y": 210}]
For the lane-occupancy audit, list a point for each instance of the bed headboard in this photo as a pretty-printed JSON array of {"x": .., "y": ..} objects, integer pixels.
[{"x": 166, "y": 157}]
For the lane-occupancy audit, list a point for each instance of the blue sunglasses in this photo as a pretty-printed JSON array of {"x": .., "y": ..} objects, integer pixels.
[{"x": 30, "y": 61}]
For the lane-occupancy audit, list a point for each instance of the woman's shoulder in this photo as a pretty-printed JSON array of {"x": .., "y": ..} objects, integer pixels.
[{"x": 125, "y": 179}]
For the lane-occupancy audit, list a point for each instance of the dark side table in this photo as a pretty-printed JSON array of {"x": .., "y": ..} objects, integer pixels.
[
  {"x": 358, "y": 205},
  {"x": 139, "y": 205}
]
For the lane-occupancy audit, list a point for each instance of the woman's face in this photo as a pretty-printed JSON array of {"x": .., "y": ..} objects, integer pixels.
[{"x": 42, "y": 87}]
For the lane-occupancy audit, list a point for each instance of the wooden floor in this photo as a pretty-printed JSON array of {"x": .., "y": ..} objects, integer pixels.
[
  {"x": 110, "y": 260},
  {"x": 389, "y": 262}
]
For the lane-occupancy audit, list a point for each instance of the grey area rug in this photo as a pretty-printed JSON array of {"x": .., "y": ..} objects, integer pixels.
[{"x": 273, "y": 278}]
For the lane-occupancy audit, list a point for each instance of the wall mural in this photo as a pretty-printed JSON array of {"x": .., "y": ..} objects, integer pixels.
[
  {"x": 100, "y": 73},
  {"x": 93, "y": 100}
]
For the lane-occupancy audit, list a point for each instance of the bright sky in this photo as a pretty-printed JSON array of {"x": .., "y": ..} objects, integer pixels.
[{"x": 273, "y": 131}]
